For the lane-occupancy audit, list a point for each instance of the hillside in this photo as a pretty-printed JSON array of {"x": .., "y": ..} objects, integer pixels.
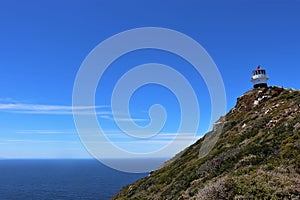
[{"x": 255, "y": 157}]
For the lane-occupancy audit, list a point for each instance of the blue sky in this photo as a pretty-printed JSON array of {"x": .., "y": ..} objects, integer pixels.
[{"x": 43, "y": 44}]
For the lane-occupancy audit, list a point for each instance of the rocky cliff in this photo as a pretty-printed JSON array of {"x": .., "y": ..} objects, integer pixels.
[{"x": 255, "y": 156}]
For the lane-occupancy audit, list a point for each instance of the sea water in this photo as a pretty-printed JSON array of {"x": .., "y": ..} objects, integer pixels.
[{"x": 61, "y": 179}]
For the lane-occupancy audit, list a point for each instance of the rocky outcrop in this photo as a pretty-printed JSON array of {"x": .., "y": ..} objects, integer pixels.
[{"x": 252, "y": 153}]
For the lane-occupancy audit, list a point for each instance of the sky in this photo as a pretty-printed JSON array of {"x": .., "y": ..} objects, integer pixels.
[{"x": 44, "y": 43}]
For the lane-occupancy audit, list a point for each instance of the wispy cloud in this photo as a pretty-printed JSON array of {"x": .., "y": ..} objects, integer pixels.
[
  {"x": 163, "y": 136},
  {"x": 33, "y": 131},
  {"x": 22, "y": 108},
  {"x": 103, "y": 111},
  {"x": 38, "y": 141},
  {"x": 123, "y": 119}
]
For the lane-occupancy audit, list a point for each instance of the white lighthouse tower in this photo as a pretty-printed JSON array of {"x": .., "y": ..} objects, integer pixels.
[{"x": 259, "y": 78}]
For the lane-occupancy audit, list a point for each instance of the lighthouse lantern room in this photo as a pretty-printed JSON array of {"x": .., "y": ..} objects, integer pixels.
[{"x": 259, "y": 78}]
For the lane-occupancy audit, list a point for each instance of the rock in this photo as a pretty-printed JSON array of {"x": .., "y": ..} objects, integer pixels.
[{"x": 256, "y": 151}]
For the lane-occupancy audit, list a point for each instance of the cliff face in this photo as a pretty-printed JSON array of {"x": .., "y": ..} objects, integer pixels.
[{"x": 256, "y": 155}]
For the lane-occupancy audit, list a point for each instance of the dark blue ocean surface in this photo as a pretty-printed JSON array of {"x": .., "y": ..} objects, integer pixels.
[{"x": 60, "y": 179}]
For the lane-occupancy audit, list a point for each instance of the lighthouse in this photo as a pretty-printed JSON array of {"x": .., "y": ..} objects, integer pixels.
[{"x": 259, "y": 78}]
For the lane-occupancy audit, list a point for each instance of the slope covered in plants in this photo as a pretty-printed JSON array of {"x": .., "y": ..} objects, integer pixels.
[{"x": 256, "y": 155}]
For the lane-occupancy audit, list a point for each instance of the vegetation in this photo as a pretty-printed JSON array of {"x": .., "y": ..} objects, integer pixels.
[{"x": 255, "y": 157}]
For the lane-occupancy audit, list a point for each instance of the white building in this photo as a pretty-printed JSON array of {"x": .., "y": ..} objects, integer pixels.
[{"x": 259, "y": 78}]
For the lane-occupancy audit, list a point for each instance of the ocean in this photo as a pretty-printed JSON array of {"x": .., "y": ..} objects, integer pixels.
[{"x": 61, "y": 179}]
